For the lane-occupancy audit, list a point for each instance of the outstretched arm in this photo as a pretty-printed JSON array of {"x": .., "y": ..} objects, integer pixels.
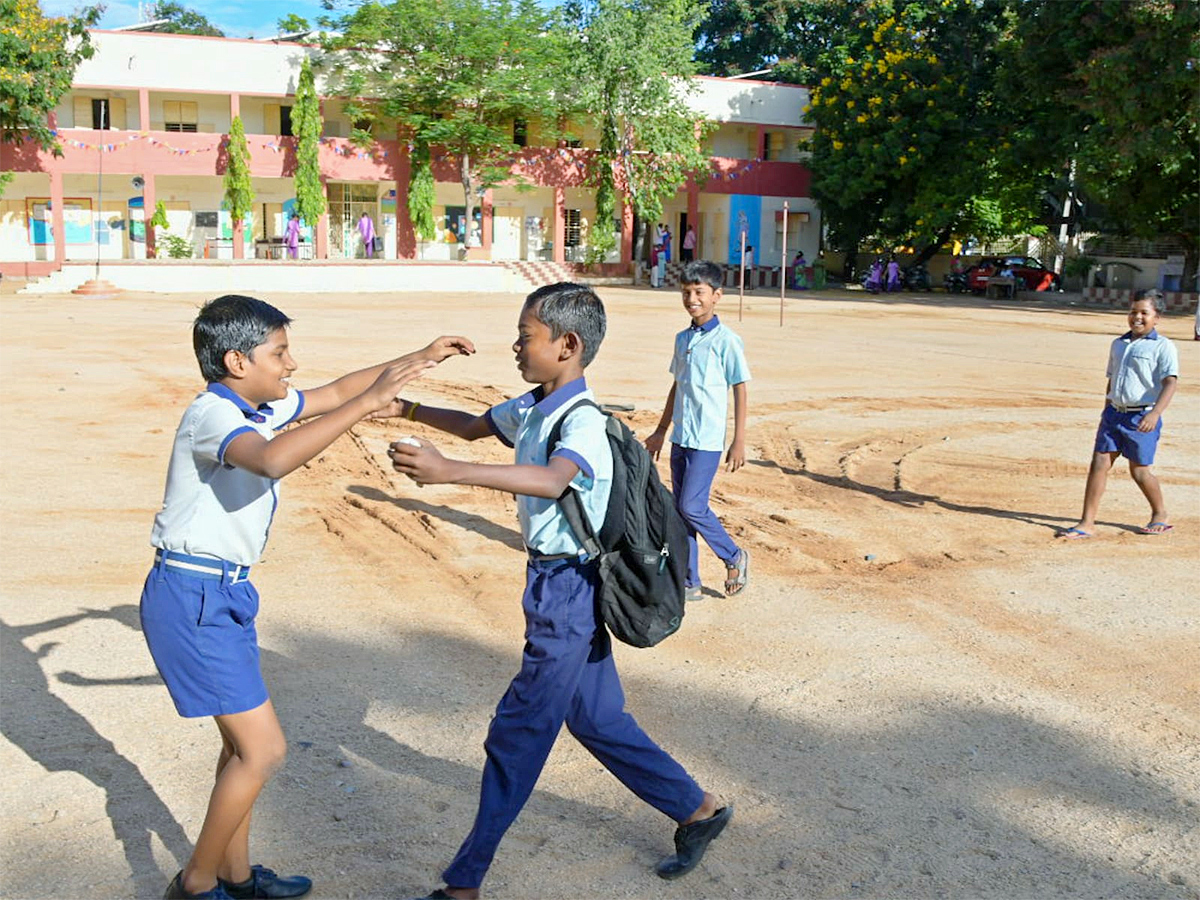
[
  {"x": 291, "y": 449},
  {"x": 655, "y": 441},
  {"x": 465, "y": 425},
  {"x": 736, "y": 457},
  {"x": 425, "y": 465},
  {"x": 318, "y": 401}
]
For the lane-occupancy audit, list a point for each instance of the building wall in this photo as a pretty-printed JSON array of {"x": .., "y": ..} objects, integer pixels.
[{"x": 137, "y": 74}]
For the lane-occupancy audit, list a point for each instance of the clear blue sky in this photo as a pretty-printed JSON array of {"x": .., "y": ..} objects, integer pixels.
[{"x": 237, "y": 18}]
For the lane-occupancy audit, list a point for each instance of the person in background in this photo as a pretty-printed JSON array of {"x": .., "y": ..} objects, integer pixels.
[
  {"x": 291, "y": 236},
  {"x": 366, "y": 229},
  {"x": 689, "y": 244}
]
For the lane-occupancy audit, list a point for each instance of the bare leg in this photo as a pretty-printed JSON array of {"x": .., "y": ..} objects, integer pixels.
[
  {"x": 1097, "y": 480},
  {"x": 253, "y": 749},
  {"x": 1148, "y": 482}
]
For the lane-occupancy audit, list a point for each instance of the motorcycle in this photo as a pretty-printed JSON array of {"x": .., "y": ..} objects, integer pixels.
[
  {"x": 916, "y": 278},
  {"x": 955, "y": 283}
]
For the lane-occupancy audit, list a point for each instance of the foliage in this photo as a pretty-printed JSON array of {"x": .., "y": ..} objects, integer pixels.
[
  {"x": 177, "y": 247},
  {"x": 1119, "y": 97},
  {"x": 180, "y": 20},
  {"x": 293, "y": 24},
  {"x": 453, "y": 74},
  {"x": 910, "y": 128},
  {"x": 422, "y": 194},
  {"x": 306, "y": 125},
  {"x": 38, "y": 58},
  {"x": 630, "y": 62},
  {"x": 239, "y": 194},
  {"x": 159, "y": 219}
]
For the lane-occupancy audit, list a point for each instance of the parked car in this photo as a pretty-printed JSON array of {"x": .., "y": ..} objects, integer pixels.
[{"x": 1035, "y": 276}]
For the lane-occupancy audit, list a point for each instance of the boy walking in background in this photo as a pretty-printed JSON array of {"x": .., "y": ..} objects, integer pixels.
[
  {"x": 709, "y": 358},
  {"x": 1143, "y": 370},
  {"x": 567, "y": 671},
  {"x": 198, "y": 606}
]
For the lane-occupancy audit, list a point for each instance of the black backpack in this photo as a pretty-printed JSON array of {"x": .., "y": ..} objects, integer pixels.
[{"x": 642, "y": 546}]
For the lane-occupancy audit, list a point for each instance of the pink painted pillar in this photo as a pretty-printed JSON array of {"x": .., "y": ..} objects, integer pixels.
[
  {"x": 626, "y": 232},
  {"x": 56, "y": 217},
  {"x": 144, "y": 109},
  {"x": 321, "y": 232},
  {"x": 560, "y": 225},
  {"x": 486, "y": 230},
  {"x": 693, "y": 217},
  {"x": 761, "y": 152}
]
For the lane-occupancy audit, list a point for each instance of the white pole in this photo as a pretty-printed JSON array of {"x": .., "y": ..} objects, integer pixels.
[
  {"x": 783, "y": 263},
  {"x": 742, "y": 280}
]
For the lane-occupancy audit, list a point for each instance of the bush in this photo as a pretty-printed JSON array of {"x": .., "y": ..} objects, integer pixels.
[{"x": 177, "y": 247}]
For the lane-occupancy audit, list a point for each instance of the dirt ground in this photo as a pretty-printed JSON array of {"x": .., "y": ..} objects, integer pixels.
[{"x": 922, "y": 693}]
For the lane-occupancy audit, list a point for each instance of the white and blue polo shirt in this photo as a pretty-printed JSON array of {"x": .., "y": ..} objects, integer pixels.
[
  {"x": 210, "y": 508},
  {"x": 708, "y": 359},
  {"x": 525, "y": 423},
  {"x": 1136, "y": 368}
]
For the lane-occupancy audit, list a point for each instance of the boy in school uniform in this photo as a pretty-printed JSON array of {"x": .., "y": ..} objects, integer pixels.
[
  {"x": 198, "y": 606},
  {"x": 567, "y": 673},
  {"x": 709, "y": 358},
  {"x": 1143, "y": 371}
]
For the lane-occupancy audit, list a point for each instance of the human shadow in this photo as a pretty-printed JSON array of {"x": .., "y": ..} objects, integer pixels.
[
  {"x": 481, "y": 526},
  {"x": 913, "y": 499},
  {"x": 58, "y": 738}
]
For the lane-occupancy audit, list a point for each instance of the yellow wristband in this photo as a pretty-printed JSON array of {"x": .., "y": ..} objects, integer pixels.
[{"x": 412, "y": 411}]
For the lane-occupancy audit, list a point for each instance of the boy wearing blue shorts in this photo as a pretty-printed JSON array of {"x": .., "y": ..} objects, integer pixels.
[
  {"x": 567, "y": 673},
  {"x": 709, "y": 359},
  {"x": 198, "y": 606},
  {"x": 1143, "y": 369}
]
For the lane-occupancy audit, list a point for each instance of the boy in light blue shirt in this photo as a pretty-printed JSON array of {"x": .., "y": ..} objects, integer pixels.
[
  {"x": 709, "y": 359},
  {"x": 567, "y": 673},
  {"x": 1143, "y": 370}
]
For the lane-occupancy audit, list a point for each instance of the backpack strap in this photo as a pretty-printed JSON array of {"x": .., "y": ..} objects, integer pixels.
[{"x": 569, "y": 501}]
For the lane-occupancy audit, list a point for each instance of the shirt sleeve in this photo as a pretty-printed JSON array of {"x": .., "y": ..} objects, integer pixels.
[
  {"x": 676, "y": 361},
  {"x": 583, "y": 433},
  {"x": 287, "y": 410},
  {"x": 737, "y": 370},
  {"x": 1168, "y": 361},
  {"x": 505, "y": 418},
  {"x": 214, "y": 427}
]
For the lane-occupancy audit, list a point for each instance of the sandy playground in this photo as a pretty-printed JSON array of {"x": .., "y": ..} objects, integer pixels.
[{"x": 922, "y": 694}]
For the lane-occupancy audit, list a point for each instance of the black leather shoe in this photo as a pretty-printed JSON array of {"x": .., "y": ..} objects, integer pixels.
[
  {"x": 265, "y": 883},
  {"x": 690, "y": 843},
  {"x": 175, "y": 891}
]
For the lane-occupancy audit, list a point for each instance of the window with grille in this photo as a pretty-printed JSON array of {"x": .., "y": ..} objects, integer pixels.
[
  {"x": 285, "y": 121},
  {"x": 101, "y": 114},
  {"x": 573, "y": 217},
  {"x": 520, "y": 132},
  {"x": 180, "y": 115},
  {"x": 773, "y": 145}
]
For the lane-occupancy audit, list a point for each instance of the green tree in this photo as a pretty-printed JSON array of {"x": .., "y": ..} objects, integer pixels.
[
  {"x": 1119, "y": 96},
  {"x": 306, "y": 124},
  {"x": 239, "y": 193},
  {"x": 38, "y": 58},
  {"x": 422, "y": 193},
  {"x": 453, "y": 74},
  {"x": 293, "y": 24},
  {"x": 630, "y": 68},
  {"x": 912, "y": 134},
  {"x": 180, "y": 20}
]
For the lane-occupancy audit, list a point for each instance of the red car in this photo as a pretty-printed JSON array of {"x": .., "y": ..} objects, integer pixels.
[{"x": 1035, "y": 276}]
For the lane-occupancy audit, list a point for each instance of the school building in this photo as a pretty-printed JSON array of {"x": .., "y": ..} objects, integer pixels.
[{"x": 147, "y": 120}]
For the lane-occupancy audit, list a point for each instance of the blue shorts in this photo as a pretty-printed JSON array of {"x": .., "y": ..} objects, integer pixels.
[
  {"x": 200, "y": 631},
  {"x": 1118, "y": 434}
]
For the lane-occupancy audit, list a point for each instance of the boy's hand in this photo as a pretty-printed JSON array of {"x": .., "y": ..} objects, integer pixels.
[
  {"x": 736, "y": 457},
  {"x": 421, "y": 461},
  {"x": 391, "y": 411},
  {"x": 386, "y": 388},
  {"x": 1149, "y": 421},
  {"x": 655, "y": 441},
  {"x": 447, "y": 346}
]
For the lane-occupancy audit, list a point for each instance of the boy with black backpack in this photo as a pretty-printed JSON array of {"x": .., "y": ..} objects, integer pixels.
[{"x": 567, "y": 672}]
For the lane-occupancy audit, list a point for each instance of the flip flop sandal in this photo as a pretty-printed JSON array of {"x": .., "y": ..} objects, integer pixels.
[
  {"x": 1155, "y": 528},
  {"x": 1073, "y": 534},
  {"x": 738, "y": 584}
]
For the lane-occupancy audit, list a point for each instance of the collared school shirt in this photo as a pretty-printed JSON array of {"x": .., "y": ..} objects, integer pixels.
[
  {"x": 1136, "y": 368},
  {"x": 211, "y": 508},
  {"x": 525, "y": 423},
  {"x": 707, "y": 360}
]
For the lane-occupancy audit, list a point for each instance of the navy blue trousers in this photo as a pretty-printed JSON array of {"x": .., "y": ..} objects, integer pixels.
[
  {"x": 692, "y": 474},
  {"x": 567, "y": 676}
]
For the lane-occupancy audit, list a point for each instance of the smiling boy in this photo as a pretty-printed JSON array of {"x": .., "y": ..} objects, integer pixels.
[
  {"x": 198, "y": 607},
  {"x": 567, "y": 671},
  {"x": 1143, "y": 370},
  {"x": 709, "y": 359}
]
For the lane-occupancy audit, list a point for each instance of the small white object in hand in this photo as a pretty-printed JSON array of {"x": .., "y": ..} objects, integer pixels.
[{"x": 409, "y": 440}]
